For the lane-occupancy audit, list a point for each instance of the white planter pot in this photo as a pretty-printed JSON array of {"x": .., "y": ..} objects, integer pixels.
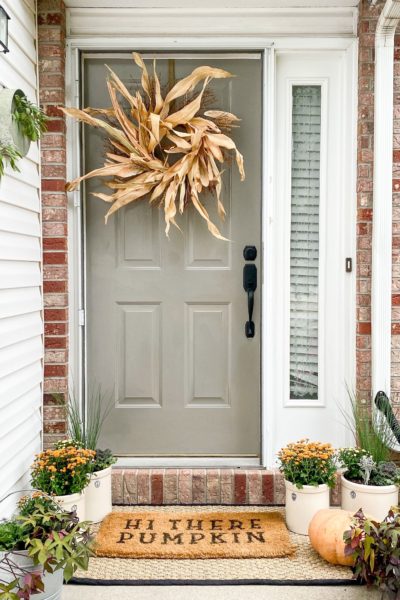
[
  {"x": 373, "y": 499},
  {"x": 302, "y": 504},
  {"x": 98, "y": 495},
  {"x": 53, "y": 582},
  {"x": 73, "y": 502}
]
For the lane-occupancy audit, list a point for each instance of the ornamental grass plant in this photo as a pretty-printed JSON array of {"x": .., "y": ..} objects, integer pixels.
[
  {"x": 370, "y": 432},
  {"x": 308, "y": 463},
  {"x": 86, "y": 430},
  {"x": 369, "y": 462},
  {"x": 62, "y": 471}
]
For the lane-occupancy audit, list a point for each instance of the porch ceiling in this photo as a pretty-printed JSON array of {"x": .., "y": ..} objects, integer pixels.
[{"x": 226, "y": 4}]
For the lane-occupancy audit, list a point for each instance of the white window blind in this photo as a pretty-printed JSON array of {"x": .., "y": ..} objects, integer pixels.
[{"x": 304, "y": 241}]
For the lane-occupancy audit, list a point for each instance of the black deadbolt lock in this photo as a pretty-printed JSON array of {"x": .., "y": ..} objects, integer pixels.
[{"x": 250, "y": 253}]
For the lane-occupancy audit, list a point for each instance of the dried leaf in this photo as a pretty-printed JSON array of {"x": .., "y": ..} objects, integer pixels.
[
  {"x": 189, "y": 83},
  {"x": 145, "y": 138}
]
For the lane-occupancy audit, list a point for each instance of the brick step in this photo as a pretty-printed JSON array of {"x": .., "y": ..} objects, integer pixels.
[{"x": 202, "y": 486}]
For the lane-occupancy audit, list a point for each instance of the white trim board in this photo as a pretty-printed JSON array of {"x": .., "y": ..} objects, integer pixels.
[
  {"x": 223, "y": 4},
  {"x": 270, "y": 275},
  {"x": 189, "y": 463},
  {"x": 209, "y": 21}
]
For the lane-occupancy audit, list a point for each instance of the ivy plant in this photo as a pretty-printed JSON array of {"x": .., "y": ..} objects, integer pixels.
[
  {"x": 30, "y": 118},
  {"x": 11, "y": 155},
  {"x": 31, "y": 121}
]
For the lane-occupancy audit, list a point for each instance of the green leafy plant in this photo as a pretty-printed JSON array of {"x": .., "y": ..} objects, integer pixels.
[
  {"x": 30, "y": 118},
  {"x": 63, "y": 470},
  {"x": 103, "y": 460},
  {"x": 308, "y": 463},
  {"x": 11, "y": 535},
  {"x": 53, "y": 539},
  {"x": 349, "y": 458},
  {"x": 360, "y": 467},
  {"x": 376, "y": 549},
  {"x": 11, "y": 155}
]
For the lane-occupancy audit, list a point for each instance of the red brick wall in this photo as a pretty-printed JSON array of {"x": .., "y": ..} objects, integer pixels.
[
  {"x": 51, "y": 23},
  {"x": 395, "y": 383}
]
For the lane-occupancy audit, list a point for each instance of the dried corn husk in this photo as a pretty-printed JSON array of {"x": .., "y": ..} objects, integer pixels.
[{"x": 165, "y": 155}]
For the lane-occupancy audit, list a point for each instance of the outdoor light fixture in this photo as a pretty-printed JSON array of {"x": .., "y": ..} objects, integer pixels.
[{"x": 4, "y": 18}]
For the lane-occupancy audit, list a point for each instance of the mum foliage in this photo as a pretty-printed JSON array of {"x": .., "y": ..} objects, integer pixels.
[
  {"x": 62, "y": 471},
  {"x": 167, "y": 155},
  {"x": 308, "y": 463}
]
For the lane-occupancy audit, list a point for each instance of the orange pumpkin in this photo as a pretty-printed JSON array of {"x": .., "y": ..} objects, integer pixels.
[{"x": 326, "y": 535}]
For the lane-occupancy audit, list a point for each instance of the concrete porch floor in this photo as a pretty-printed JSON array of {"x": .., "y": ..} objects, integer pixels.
[{"x": 240, "y": 592}]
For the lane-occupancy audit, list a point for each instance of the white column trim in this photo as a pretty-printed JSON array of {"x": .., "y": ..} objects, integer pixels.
[{"x": 381, "y": 294}]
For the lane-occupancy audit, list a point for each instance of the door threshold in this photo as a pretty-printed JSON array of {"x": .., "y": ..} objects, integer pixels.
[{"x": 131, "y": 462}]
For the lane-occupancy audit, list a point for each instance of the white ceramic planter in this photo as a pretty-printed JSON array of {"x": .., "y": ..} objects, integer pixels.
[
  {"x": 53, "y": 582},
  {"x": 98, "y": 495},
  {"x": 303, "y": 504},
  {"x": 73, "y": 502},
  {"x": 373, "y": 499}
]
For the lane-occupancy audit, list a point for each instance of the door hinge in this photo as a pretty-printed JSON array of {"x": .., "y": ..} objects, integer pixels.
[
  {"x": 349, "y": 265},
  {"x": 81, "y": 317}
]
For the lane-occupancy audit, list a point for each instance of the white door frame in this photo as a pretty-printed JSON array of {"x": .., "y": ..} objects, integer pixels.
[{"x": 347, "y": 47}]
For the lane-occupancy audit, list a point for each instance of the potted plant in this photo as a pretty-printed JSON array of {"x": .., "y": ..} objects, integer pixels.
[
  {"x": 64, "y": 474},
  {"x": 85, "y": 434},
  {"x": 309, "y": 470},
  {"x": 98, "y": 495},
  {"x": 370, "y": 480},
  {"x": 376, "y": 550},
  {"x": 30, "y": 119},
  {"x": 366, "y": 484},
  {"x": 21, "y": 122},
  {"x": 38, "y": 547}
]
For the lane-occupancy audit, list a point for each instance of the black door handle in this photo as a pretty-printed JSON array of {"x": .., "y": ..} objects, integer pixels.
[{"x": 250, "y": 286}]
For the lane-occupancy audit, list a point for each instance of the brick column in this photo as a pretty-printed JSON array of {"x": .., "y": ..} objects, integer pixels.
[
  {"x": 51, "y": 23},
  {"x": 395, "y": 383},
  {"x": 367, "y": 25}
]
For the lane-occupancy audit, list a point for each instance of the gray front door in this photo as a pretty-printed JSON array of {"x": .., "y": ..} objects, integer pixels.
[{"x": 166, "y": 317}]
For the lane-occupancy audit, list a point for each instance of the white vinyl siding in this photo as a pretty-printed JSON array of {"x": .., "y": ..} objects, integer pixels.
[
  {"x": 21, "y": 324},
  {"x": 304, "y": 241}
]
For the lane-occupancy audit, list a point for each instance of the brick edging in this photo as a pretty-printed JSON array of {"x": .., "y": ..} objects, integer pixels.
[{"x": 201, "y": 486}]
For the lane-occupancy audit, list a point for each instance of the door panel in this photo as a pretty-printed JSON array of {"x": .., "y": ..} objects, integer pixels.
[
  {"x": 312, "y": 302},
  {"x": 165, "y": 317}
]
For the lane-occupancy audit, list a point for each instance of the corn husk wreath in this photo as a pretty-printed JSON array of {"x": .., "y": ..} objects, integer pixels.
[{"x": 146, "y": 140}]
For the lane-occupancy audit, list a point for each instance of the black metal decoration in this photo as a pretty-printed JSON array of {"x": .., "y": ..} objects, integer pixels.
[
  {"x": 4, "y": 18},
  {"x": 382, "y": 402},
  {"x": 250, "y": 286}
]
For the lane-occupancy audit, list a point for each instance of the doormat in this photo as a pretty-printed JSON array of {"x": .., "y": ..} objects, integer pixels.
[
  {"x": 305, "y": 567},
  {"x": 193, "y": 535}
]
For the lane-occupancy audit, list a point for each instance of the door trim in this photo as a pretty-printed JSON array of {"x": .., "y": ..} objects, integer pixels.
[{"x": 270, "y": 265}]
